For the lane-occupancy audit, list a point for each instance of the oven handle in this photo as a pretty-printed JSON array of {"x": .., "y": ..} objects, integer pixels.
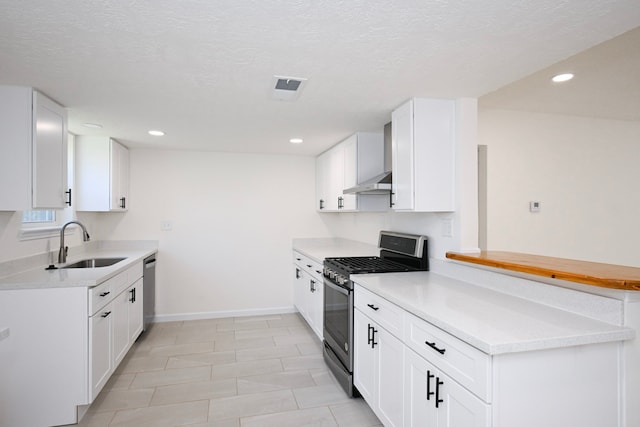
[{"x": 338, "y": 288}]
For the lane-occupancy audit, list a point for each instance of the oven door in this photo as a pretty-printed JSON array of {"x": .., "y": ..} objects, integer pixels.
[{"x": 338, "y": 322}]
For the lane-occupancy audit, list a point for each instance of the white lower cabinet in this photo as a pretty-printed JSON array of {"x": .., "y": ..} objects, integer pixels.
[
  {"x": 434, "y": 399},
  {"x": 115, "y": 322},
  {"x": 100, "y": 348},
  {"x": 308, "y": 291},
  {"x": 378, "y": 362},
  {"x": 412, "y": 373}
]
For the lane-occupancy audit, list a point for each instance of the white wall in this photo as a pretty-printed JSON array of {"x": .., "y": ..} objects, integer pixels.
[
  {"x": 585, "y": 174},
  {"x": 233, "y": 216}
]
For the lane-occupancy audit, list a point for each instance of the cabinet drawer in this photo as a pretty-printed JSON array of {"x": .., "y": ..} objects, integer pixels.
[
  {"x": 466, "y": 364},
  {"x": 134, "y": 273},
  {"x": 311, "y": 266},
  {"x": 381, "y": 311},
  {"x": 101, "y": 295}
]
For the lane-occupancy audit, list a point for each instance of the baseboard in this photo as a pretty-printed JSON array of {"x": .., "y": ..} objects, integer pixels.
[{"x": 220, "y": 314}]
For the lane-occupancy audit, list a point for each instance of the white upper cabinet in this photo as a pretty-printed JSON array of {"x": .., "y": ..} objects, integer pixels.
[
  {"x": 423, "y": 155},
  {"x": 33, "y": 151},
  {"x": 356, "y": 159},
  {"x": 102, "y": 174}
]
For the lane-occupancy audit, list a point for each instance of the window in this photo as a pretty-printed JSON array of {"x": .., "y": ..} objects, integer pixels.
[{"x": 38, "y": 216}]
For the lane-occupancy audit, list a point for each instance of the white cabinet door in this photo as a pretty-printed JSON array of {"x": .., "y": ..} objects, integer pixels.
[
  {"x": 102, "y": 174},
  {"x": 120, "y": 327},
  {"x": 423, "y": 146},
  {"x": 299, "y": 290},
  {"x": 390, "y": 379},
  {"x": 316, "y": 305},
  {"x": 378, "y": 364},
  {"x": 135, "y": 297},
  {"x": 100, "y": 350},
  {"x": 364, "y": 357},
  {"x": 434, "y": 399},
  {"x": 33, "y": 152},
  {"x": 350, "y": 172},
  {"x": 402, "y": 196},
  {"x": 119, "y": 190},
  {"x": 49, "y": 153}
]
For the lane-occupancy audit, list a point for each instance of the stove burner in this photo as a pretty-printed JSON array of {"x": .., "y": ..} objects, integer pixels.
[{"x": 370, "y": 264}]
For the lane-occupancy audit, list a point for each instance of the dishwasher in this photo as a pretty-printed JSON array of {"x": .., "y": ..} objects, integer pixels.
[{"x": 149, "y": 290}]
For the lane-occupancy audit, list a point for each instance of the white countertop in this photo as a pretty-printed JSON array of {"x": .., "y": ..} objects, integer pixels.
[
  {"x": 38, "y": 277},
  {"x": 321, "y": 248},
  {"x": 491, "y": 321}
]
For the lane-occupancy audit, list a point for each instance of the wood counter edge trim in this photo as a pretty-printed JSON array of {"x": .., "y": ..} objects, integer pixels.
[{"x": 602, "y": 282}]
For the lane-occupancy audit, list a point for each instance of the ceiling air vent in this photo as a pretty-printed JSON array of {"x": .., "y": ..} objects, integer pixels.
[{"x": 287, "y": 88}]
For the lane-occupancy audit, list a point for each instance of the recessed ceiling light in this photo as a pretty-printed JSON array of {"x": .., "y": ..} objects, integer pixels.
[
  {"x": 156, "y": 133},
  {"x": 92, "y": 125},
  {"x": 562, "y": 77},
  {"x": 296, "y": 140}
]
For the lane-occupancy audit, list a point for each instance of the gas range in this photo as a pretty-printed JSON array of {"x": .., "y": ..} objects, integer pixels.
[{"x": 398, "y": 252}]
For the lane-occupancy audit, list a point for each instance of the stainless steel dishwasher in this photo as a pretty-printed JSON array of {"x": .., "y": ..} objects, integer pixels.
[{"x": 149, "y": 290}]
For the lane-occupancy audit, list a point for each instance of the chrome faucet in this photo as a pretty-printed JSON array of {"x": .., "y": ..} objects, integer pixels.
[{"x": 62, "y": 253}]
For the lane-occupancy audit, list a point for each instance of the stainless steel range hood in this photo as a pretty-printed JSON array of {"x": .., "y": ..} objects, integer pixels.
[{"x": 379, "y": 184}]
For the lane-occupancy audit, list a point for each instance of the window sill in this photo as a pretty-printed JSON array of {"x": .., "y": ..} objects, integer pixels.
[{"x": 36, "y": 233}]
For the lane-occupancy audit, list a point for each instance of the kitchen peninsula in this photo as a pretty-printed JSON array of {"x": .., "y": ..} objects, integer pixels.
[{"x": 517, "y": 349}]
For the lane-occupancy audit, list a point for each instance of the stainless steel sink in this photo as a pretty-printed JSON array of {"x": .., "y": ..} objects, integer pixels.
[{"x": 94, "y": 262}]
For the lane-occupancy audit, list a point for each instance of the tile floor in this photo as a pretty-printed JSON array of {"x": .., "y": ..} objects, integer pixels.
[{"x": 232, "y": 372}]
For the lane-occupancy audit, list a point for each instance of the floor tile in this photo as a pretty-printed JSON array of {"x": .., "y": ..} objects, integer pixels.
[
  {"x": 243, "y": 369},
  {"x": 119, "y": 381},
  {"x": 232, "y": 422},
  {"x": 173, "y": 350},
  {"x": 266, "y": 353},
  {"x": 258, "y": 333},
  {"x": 201, "y": 359},
  {"x": 275, "y": 381},
  {"x": 171, "y": 376},
  {"x": 243, "y": 343},
  {"x": 163, "y": 416},
  {"x": 122, "y": 399},
  {"x": 243, "y": 326},
  {"x": 194, "y": 391},
  {"x": 96, "y": 419},
  {"x": 355, "y": 413},
  {"x": 311, "y": 361},
  {"x": 202, "y": 335},
  {"x": 142, "y": 364},
  {"x": 322, "y": 395},
  {"x": 251, "y": 404},
  {"x": 316, "y": 417}
]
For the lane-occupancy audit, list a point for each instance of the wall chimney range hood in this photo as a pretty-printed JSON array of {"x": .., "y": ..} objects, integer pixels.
[{"x": 379, "y": 184}]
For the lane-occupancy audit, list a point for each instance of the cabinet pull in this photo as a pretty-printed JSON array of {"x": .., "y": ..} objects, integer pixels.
[
  {"x": 373, "y": 337},
  {"x": 133, "y": 295},
  {"x": 318, "y": 271},
  {"x": 321, "y": 204},
  {"x": 433, "y": 346},
  {"x": 391, "y": 194},
  {"x": 429, "y": 392},
  {"x": 438, "y": 384},
  {"x": 297, "y": 273},
  {"x": 104, "y": 294},
  {"x": 373, "y": 307},
  {"x": 369, "y": 338},
  {"x": 68, "y": 202},
  {"x": 312, "y": 285},
  {"x": 340, "y": 203},
  {"x": 105, "y": 314},
  {"x": 123, "y": 203},
  {"x": 309, "y": 265}
]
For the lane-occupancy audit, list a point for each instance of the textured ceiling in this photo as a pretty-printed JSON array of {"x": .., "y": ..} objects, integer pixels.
[{"x": 202, "y": 70}]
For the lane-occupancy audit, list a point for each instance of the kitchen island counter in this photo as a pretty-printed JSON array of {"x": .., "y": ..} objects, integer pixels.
[{"x": 490, "y": 321}]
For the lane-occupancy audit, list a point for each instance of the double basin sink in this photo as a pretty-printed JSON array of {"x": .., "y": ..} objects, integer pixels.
[{"x": 94, "y": 263}]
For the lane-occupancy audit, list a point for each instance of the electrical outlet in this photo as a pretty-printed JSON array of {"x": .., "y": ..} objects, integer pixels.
[
  {"x": 166, "y": 225},
  {"x": 447, "y": 227}
]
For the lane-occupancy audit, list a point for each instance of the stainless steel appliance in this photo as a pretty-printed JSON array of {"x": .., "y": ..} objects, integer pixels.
[
  {"x": 149, "y": 290},
  {"x": 398, "y": 252}
]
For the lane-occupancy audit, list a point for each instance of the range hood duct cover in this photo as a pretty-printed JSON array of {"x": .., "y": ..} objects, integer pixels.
[{"x": 379, "y": 184}]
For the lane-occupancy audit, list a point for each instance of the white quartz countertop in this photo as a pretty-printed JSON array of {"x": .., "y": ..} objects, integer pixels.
[
  {"x": 491, "y": 321},
  {"x": 38, "y": 277},
  {"x": 321, "y": 248}
]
